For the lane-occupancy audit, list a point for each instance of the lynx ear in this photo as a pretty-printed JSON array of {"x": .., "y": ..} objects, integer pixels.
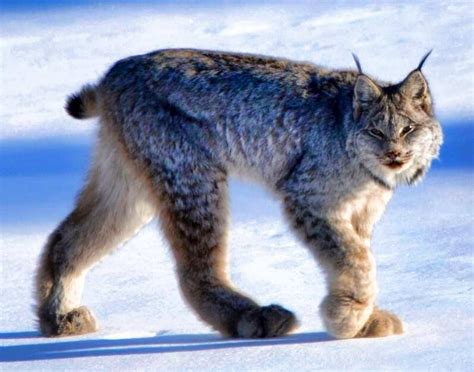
[
  {"x": 366, "y": 92},
  {"x": 414, "y": 86},
  {"x": 415, "y": 89}
]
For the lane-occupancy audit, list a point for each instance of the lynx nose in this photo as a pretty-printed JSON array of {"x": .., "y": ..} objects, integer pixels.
[{"x": 393, "y": 154}]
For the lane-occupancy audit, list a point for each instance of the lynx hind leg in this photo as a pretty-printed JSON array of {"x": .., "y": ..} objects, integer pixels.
[
  {"x": 113, "y": 205},
  {"x": 194, "y": 217}
]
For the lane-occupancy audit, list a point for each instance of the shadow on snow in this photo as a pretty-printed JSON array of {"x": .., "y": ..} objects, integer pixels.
[{"x": 133, "y": 346}]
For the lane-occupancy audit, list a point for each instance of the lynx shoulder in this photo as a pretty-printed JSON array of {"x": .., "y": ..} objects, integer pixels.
[{"x": 332, "y": 145}]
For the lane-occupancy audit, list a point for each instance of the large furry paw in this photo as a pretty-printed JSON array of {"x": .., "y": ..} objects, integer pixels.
[
  {"x": 76, "y": 322},
  {"x": 344, "y": 316},
  {"x": 380, "y": 324},
  {"x": 266, "y": 321}
]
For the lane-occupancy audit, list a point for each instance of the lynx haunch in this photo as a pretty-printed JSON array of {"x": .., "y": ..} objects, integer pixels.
[{"x": 175, "y": 124}]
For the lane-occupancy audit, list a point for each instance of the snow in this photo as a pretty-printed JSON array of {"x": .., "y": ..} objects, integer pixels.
[{"x": 423, "y": 245}]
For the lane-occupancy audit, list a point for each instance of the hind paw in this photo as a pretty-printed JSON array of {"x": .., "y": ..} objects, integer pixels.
[
  {"x": 76, "y": 322},
  {"x": 266, "y": 321}
]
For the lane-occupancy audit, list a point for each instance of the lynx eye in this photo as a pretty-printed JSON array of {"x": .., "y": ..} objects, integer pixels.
[
  {"x": 376, "y": 133},
  {"x": 407, "y": 129}
]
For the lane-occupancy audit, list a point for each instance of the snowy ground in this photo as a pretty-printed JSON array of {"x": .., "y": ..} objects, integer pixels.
[{"x": 423, "y": 244}]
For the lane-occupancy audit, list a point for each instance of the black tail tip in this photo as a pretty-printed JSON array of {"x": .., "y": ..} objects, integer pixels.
[{"x": 74, "y": 106}]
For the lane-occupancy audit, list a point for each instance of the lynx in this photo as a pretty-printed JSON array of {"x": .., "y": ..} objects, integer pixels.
[{"x": 332, "y": 145}]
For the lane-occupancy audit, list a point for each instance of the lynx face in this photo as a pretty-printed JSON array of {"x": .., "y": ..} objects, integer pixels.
[{"x": 396, "y": 136}]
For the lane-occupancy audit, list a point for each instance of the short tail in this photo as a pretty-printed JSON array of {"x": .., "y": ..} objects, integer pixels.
[{"x": 83, "y": 105}]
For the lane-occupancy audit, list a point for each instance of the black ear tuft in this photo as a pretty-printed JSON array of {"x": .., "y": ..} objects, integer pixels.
[
  {"x": 422, "y": 62},
  {"x": 357, "y": 62}
]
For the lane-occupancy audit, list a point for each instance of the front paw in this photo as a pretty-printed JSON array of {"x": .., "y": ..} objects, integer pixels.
[{"x": 381, "y": 323}]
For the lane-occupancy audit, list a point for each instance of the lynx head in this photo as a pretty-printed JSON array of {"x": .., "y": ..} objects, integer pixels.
[{"x": 395, "y": 135}]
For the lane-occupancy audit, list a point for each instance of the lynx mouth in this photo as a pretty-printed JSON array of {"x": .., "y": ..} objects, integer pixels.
[{"x": 394, "y": 164}]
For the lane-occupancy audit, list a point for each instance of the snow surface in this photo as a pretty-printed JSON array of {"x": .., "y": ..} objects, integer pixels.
[{"x": 423, "y": 244}]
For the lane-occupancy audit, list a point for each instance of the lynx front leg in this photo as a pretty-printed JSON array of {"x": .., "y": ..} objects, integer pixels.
[
  {"x": 348, "y": 309},
  {"x": 194, "y": 217}
]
